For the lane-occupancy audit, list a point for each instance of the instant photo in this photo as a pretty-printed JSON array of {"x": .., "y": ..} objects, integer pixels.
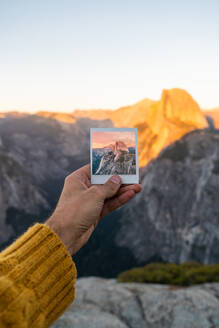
[{"x": 114, "y": 152}]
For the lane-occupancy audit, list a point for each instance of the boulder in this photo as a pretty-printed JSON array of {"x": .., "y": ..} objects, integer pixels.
[{"x": 102, "y": 303}]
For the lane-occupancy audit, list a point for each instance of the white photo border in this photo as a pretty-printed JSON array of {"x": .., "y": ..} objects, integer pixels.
[{"x": 126, "y": 178}]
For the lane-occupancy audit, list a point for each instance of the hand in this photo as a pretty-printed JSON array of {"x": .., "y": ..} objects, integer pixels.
[{"x": 81, "y": 206}]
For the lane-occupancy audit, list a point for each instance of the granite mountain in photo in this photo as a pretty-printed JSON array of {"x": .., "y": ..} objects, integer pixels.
[{"x": 116, "y": 159}]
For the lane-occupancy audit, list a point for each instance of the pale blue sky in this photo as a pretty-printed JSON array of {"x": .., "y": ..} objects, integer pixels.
[{"x": 65, "y": 54}]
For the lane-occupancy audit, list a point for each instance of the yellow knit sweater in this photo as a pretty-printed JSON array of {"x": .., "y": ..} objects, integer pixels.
[{"x": 37, "y": 280}]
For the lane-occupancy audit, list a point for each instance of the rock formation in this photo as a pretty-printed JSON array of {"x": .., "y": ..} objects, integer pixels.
[
  {"x": 102, "y": 303},
  {"x": 116, "y": 159},
  {"x": 120, "y": 149},
  {"x": 177, "y": 213},
  {"x": 167, "y": 121}
]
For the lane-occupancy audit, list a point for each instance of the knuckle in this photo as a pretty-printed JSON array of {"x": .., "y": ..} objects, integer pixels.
[
  {"x": 68, "y": 179},
  {"x": 95, "y": 191},
  {"x": 112, "y": 186}
]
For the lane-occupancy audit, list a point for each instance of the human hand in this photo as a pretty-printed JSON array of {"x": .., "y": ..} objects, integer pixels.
[{"x": 82, "y": 205}]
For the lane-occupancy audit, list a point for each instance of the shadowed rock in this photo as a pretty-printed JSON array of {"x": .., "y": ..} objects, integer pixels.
[
  {"x": 177, "y": 213},
  {"x": 214, "y": 115}
]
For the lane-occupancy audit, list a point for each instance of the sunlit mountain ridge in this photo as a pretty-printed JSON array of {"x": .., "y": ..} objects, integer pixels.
[
  {"x": 159, "y": 123},
  {"x": 62, "y": 117}
]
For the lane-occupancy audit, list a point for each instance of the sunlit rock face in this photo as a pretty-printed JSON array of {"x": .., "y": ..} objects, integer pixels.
[
  {"x": 130, "y": 116},
  {"x": 177, "y": 106},
  {"x": 167, "y": 121}
]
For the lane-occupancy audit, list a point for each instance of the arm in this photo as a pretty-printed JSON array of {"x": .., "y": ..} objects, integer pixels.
[
  {"x": 37, "y": 274},
  {"x": 37, "y": 279}
]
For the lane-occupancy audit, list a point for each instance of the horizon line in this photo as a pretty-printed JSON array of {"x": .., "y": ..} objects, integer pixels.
[{"x": 34, "y": 112}]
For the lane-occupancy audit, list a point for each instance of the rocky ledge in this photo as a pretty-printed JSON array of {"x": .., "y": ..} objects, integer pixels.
[{"x": 102, "y": 303}]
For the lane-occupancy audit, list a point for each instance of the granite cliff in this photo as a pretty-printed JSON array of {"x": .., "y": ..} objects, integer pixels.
[
  {"x": 20, "y": 199},
  {"x": 174, "y": 219},
  {"x": 179, "y": 204},
  {"x": 167, "y": 121}
]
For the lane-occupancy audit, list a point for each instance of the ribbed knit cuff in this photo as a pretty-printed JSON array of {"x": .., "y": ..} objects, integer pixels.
[{"x": 41, "y": 272}]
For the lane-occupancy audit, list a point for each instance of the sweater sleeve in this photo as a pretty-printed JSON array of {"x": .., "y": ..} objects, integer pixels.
[{"x": 37, "y": 279}]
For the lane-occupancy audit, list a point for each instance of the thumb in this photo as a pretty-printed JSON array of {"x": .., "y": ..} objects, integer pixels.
[{"x": 110, "y": 188}]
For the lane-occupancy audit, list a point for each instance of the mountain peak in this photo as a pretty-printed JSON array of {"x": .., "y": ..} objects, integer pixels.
[
  {"x": 121, "y": 146},
  {"x": 118, "y": 147},
  {"x": 176, "y": 114},
  {"x": 179, "y": 106},
  {"x": 176, "y": 108}
]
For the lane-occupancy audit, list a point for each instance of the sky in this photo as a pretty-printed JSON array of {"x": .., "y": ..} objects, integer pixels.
[
  {"x": 101, "y": 139},
  {"x": 65, "y": 55}
]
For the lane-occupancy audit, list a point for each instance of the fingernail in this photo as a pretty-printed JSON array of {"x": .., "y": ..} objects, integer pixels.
[{"x": 116, "y": 179}]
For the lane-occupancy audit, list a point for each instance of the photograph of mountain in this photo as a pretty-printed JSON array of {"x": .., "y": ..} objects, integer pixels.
[{"x": 113, "y": 153}]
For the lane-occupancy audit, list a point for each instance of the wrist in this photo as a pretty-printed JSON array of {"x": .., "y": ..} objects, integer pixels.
[{"x": 55, "y": 226}]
